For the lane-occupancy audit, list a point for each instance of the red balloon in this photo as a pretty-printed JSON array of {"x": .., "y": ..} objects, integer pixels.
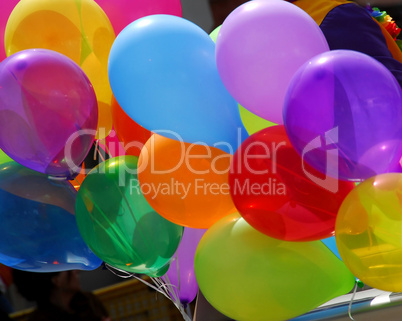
[
  {"x": 132, "y": 136},
  {"x": 278, "y": 194}
]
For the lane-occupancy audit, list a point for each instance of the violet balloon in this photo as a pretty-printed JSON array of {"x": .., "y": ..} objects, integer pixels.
[
  {"x": 343, "y": 114},
  {"x": 122, "y": 12},
  {"x": 181, "y": 275},
  {"x": 48, "y": 112},
  {"x": 257, "y": 69}
]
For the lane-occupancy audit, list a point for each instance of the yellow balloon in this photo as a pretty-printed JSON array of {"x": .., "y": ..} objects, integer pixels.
[
  {"x": 368, "y": 232},
  {"x": 78, "y": 29}
]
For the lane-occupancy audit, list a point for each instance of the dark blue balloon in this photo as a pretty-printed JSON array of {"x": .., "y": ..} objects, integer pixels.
[{"x": 38, "y": 230}]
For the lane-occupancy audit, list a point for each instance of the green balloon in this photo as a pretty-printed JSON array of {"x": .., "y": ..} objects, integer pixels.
[
  {"x": 4, "y": 158},
  {"x": 251, "y": 122},
  {"x": 249, "y": 276},
  {"x": 119, "y": 225}
]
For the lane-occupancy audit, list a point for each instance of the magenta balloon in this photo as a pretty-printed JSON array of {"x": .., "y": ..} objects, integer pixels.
[
  {"x": 260, "y": 45},
  {"x": 6, "y": 7},
  {"x": 122, "y": 12},
  {"x": 343, "y": 114},
  {"x": 181, "y": 271},
  {"x": 48, "y": 111}
]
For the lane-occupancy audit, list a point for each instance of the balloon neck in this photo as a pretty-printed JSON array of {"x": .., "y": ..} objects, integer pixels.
[{"x": 360, "y": 284}]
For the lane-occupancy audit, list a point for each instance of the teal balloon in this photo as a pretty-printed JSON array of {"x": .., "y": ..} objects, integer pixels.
[
  {"x": 163, "y": 73},
  {"x": 119, "y": 225},
  {"x": 38, "y": 230}
]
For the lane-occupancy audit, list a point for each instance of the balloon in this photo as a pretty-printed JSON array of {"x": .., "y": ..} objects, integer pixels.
[
  {"x": 181, "y": 277},
  {"x": 4, "y": 158},
  {"x": 78, "y": 29},
  {"x": 330, "y": 242},
  {"x": 257, "y": 70},
  {"x": 369, "y": 232},
  {"x": 251, "y": 122},
  {"x": 122, "y": 12},
  {"x": 132, "y": 135},
  {"x": 112, "y": 144},
  {"x": 5, "y": 9},
  {"x": 279, "y": 195},
  {"x": 247, "y": 275},
  {"x": 163, "y": 74},
  {"x": 343, "y": 114},
  {"x": 48, "y": 112},
  {"x": 95, "y": 156},
  {"x": 119, "y": 225},
  {"x": 185, "y": 183},
  {"x": 38, "y": 231}
]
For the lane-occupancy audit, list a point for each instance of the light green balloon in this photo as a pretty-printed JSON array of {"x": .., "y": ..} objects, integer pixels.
[
  {"x": 251, "y": 122},
  {"x": 119, "y": 225},
  {"x": 249, "y": 276},
  {"x": 4, "y": 158}
]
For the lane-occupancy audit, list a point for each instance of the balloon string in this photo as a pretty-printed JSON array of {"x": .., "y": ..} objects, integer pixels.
[
  {"x": 97, "y": 150},
  {"x": 159, "y": 286},
  {"x": 351, "y": 301},
  {"x": 175, "y": 299},
  {"x": 106, "y": 147}
]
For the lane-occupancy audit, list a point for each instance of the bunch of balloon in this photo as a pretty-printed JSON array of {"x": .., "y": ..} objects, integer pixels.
[
  {"x": 163, "y": 74},
  {"x": 78, "y": 29},
  {"x": 279, "y": 195},
  {"x": 39, "y": 232},
  {"x": 185, "y": 183},
  {"x": 48, "y": 114},
  {"x": 249, "y": 276},
  {"x": 5, "y": 10},
  {"x": 119, "y": 225}
]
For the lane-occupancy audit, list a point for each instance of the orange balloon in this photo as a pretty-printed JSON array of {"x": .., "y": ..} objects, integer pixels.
[
  {"x": 132, "y": 136},
  {"x": 185, "y": 183}
]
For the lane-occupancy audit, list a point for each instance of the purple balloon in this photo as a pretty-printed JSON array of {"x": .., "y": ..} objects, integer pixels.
[
  {"x": 48, "y": 112},
  {"x": 181, "y": 274},
  {"x": 259, "y": 47},
  {"x": 343, "y": 114}
]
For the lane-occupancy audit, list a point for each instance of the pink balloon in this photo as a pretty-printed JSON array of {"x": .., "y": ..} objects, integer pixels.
[
  {"x": 6, "y": 6},
  {"x": 122, "y": 12},
  {"x": 260, "y": 45},
  {"x": 112, "y": 145}
]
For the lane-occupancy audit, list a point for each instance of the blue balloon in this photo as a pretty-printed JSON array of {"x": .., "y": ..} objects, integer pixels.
[
  {"x": 330, "y": 242},
  {"x": 163, "y": 73},
  {"x": 38, "y": 230}
]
